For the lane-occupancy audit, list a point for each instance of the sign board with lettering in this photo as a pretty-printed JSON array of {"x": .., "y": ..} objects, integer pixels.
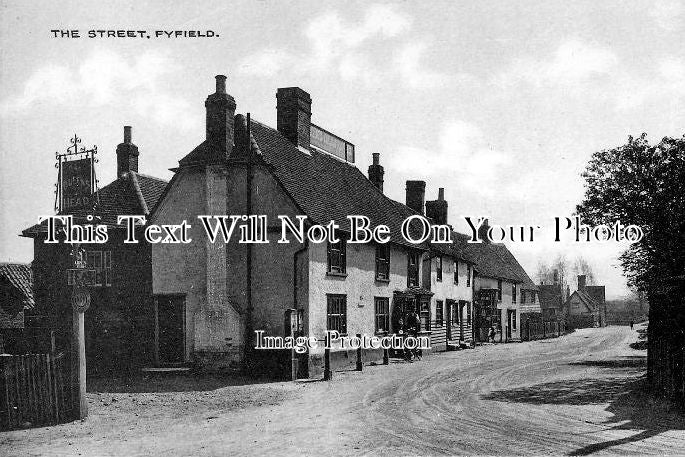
[
  {"x": 76, "y": 186},
  {"x": 331, "y": 144}
]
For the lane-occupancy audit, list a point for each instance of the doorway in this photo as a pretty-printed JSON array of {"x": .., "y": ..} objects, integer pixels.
[
  {"x": 511, "y": 322},
  {"x": 450, "y": 318},
  {"x": 170, "y": 329}
]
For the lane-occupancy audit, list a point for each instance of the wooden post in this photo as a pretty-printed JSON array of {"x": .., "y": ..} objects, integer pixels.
[
  {"x": 327, "y": 375},
  {"x": 78, "y": 367},
  {"x": 294, "y": 363},
  {"x": 360, "y": 363},
  {"x": 386, "y": 356}
]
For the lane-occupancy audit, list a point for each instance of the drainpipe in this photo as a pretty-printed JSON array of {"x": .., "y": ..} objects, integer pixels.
[
  {"x": 248, "y": 263},
  {"x": 304, "y": 247},
  {"x": 293, "y": 356}
]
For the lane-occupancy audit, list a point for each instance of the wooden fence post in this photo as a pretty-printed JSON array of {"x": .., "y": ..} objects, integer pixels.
[
  {"x": 386, "y": 354},
  {"x": 360, "y": 363},
  {"x": 327, "y": 375}
]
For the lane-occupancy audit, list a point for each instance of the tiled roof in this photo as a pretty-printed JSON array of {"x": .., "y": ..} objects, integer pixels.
[
  {"x": 326, "y": 188},
  {"x": 19, "y": 276},
  {"x": 550, "y": 296},
  {"x": 204, "y": 153},
  {"x": 132, "y": 193},
  {"x": 597, "y": 293},
  {"x": 494, "y": 260},
  {"x": 586, "y": 299}
]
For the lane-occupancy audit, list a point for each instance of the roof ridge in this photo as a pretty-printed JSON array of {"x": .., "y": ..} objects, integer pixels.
[
  {"x": 151, "y": 177},
  {"x": 139, "y": 193}
]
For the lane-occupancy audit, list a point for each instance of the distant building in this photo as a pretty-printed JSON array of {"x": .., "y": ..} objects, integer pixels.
[
  {"x": 586, "y": 307},
  {"x": 16, "y": 297},
  {"x": 503, "y": 290}
]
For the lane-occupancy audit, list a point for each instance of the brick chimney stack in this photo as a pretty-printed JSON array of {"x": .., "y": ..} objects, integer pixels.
[
  {"x": 294, "y": 115},
  {"x": 220, "y": 108},
  {"x": 127, "y": 154},
  {"x": 376, "y": 172},
  {"x": 581, "y": 282},
  {"x": 437, "y": 209},
  {"x": 483, "y": 231},
  {"x": 416, "y": 195}
]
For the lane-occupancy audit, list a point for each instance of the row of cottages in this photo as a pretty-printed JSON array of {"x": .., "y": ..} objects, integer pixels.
[
  {"x": 200, "y": 302},
  {"x": 505, "y": 296},
  {"x": 219, "y": 294},
  {"x": 121, "y": 320}
]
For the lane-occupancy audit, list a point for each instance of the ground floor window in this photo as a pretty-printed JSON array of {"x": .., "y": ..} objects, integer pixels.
[
  {"x": 382, "y": 305},
  {"x": 336, "y": 314},
  {"x": 425, "y": 315},
  {"x": 454, "y": 310}
]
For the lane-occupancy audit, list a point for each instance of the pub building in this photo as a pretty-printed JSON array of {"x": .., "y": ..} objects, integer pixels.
[
  {"x": 214, "y": 295},
  {"x": 198, "y": 304},
  {"x": 121, "y": 317}
]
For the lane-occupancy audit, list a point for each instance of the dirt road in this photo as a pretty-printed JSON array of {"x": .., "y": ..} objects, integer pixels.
[{"x": 576, "y": 395}]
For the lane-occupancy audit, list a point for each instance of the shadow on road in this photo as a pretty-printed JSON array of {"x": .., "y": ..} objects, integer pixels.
[
  {"x": 635, "y": 361},
  {"x": 169, "y": 383},
  {"x": 630, "y": 401}
]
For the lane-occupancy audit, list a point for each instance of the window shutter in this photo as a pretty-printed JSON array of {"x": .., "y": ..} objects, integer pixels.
[{"x": 328, "y": 255}]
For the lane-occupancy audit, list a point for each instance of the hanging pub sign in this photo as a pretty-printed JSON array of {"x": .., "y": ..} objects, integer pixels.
[
  {"x": 76, "y": 177},
  {"x": 77, "y": 183}
]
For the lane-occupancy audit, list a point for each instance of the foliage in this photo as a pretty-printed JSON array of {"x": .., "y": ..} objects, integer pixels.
[{"x": 641, "y": 184}]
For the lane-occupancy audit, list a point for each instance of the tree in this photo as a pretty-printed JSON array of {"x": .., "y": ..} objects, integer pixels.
[
  {"x": 546, "y": 272},
  {"x": 583, "y": 267},
  {"x": 543, "y": 272},
  {"x": 643, "y": 184}
]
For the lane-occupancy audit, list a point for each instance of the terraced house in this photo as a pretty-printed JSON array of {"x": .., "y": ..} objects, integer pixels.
[
  {"x": 200, "y": 302},
  {"x": 504, "y": 292},
  {"x": 218, "y": 294}
]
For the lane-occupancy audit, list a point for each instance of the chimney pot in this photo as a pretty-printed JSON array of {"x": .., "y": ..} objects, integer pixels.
[
  {"x": 376, "y": 171},
  {"x": 220, "y": 84},
  {"x": 416, "y": 195},
  {"x": 483, "y": 231},
  {"x": 294, "y": 115},
  {"x": 127, "y": 154},
  {"x": 581, "y": 282},
  {"x": 220, "y": 113},
  {"x": 437, "y": 209}
]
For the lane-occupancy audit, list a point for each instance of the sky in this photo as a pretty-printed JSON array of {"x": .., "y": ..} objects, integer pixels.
[{"x": 501, "y": 103}]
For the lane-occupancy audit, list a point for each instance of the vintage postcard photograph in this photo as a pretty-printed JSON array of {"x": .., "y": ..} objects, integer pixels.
[{"x": 343, "y": 228}]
